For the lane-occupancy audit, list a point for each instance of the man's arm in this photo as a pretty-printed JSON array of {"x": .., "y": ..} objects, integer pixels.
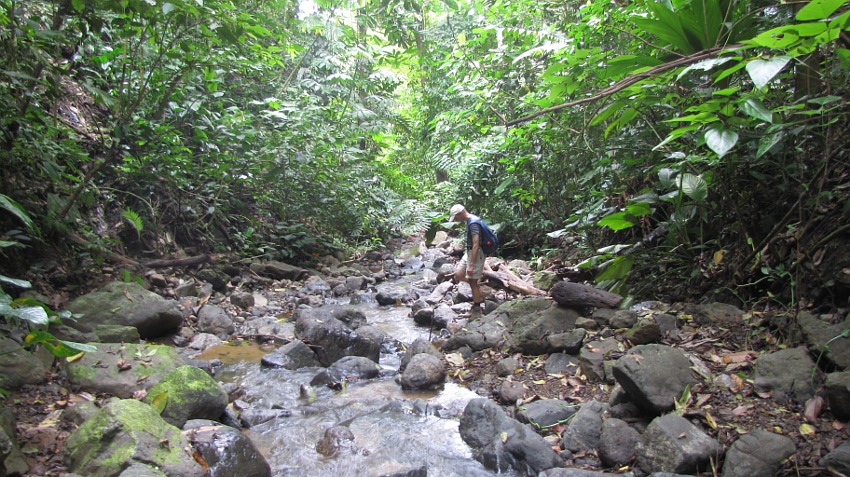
[{"x": 473, "y": 253}]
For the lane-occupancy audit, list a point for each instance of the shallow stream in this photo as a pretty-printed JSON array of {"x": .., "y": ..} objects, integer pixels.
[{"x": 395, "y": 431}]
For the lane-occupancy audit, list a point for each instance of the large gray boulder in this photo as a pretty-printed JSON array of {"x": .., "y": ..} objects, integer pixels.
[
  {"x": 545, "y": 413},
  {"x": 654, "y": 376},
  {"x": 18, "y": 366},
  {"x": 502, "y": 443},
  {"x": 826, "y": 337},
  {"x": 190, "y": 393},
  {"x": 424, "y": 371},
  {"x": 585, "y": 428},
  {"x": 124, "y": 432},
  {"x": 227, "y": 451},
  {"x": 672, "y": 444},
  {"x": 788, "y": 374},
  {"x": 617, "y": 443},
  {"x": 214, "y": 320},
  {"x": 324, "y": 329},
  {"x": 347, "y": 369},
  {"x": 128, "y": 304},
  {"x": 122, "y": 369},
  {"x": 278, "y": 270},
  {"x": 292, "y": 355},
  {"x": 757, "y": 454}
]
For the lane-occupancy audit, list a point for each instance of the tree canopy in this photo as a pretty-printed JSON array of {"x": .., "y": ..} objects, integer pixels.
[{"x": 696, "y": 142}]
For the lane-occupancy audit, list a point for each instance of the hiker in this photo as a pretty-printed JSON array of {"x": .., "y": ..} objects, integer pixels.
[{"x": 471, "y": 266}]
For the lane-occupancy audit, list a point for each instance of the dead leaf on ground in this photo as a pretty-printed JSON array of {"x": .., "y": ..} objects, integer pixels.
[{"x": 813, "y": 409}]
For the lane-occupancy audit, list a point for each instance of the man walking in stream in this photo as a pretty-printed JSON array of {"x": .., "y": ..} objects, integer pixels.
[{"x": 471, "y": 266}]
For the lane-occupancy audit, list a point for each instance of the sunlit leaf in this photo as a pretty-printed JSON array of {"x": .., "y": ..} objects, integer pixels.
[
  {"x": 720, "y": 140},
  {"x": 15, "y": 281},
  {"x": 819, "y": 9},
  {"x": 694, "y": 187},
  {"x": 766, "y": 143},
  {"x": 763, "y": 71},
  {"x": 807, "y": 430},
  {"x": 756, "y": 109},
  {"x": 160, "y": 401}
]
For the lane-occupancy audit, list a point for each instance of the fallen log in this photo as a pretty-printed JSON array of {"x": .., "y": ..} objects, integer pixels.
[
  {"x": 178, "y": 262},
  {"x": 512, "y": 282},
  {"x": 577, "y": 294}
]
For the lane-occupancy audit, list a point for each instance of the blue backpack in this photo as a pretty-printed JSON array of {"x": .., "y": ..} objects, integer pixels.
[{"x": 489, "y": 241}]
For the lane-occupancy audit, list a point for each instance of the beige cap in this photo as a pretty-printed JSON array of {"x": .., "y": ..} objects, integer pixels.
[{"x": 456, "y": 209}]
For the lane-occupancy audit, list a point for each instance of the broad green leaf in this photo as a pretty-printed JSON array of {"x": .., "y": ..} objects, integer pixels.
[
  {"x": 616, "y": 269},
  {"x": 694, "y": 187},
  {"x": 778, "y": 38},
  {"x": 639, "y": 209},
  {"x": 15, "y": 209},
  {"x": 79, "y": 346},
  {"x": 729, "y": 71},
  {"x": 704, "y": 65},
  {"x": 15, "y": 281},
  {"x": 618, "y": 221},
  {"x": 34, "y": 314},
  {"x": 167, "y": 8},
  {"x": 720, "y": 140},
  {"x": 767, "y": 142},
  {"x": 665, "y": 176},
  {"x": 756, "y": 109},
  {"x": 676, "y": 134},
  {"x": 819, "y": 9},
  {"x": 762, "y": 71}
]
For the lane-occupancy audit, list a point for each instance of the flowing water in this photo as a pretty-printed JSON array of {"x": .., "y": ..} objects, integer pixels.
[{"x": 394, "y": 430}]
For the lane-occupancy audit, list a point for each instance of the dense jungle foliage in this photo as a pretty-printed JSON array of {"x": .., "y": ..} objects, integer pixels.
[{"x": 671, "y": 149}]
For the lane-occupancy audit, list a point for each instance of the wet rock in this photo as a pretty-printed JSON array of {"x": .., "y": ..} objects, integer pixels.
[
  {"x": 672, "y": 444},
  {"x": 226, "y": 451},
  {"x": 421, "y": 471},
  {"x": 337, "y": 439},
  {"x": 127, "y": 304},
  {"x": 332, "y": 338},
  {"x": 654, "y": 376},
  {"x": 138, "y": 469},
  {"x": 315, "y": 286},
  {"x": 122, "y": 369},
  {"x": 254, "y": 417},
  {"x": 545, "y": 413},
  {"x": 502, "y": 443},
  {"x": 278, "y": 270},
  {"x": 188, "y": 393},
  {"x": 562, "y": 472},
  {"x": 424, "y": 371},
  {"x": 568, "y": 342},
  {"x": 202, "y": 341},
  {"x": 838, "y": 461},
  {"x": 392, "y": 295},
  {"x": 757, "y": 454},
  {"x": 293, "y": 355},
  {"x": 242, "y": 300},
  {"x": 18, "y": 366},
  {"x": 215, "y": 321},
  {"x": 617, "y": 443},
  {"x": 424, "y": 316},
  {"x": 838, "y": 394},
  {"x": 443, "y": 315},
  {"x": 117, "y": 334},
  {"x": 419, "y": 345},
  {"x": 438, "y": 293},
  {"x": 511, "y": 391},
  {"x": 531, "y": 321},
  {"x": 346, "y": 369},
  {"x": 123, "y": 432},
  {"x": 787, "y": 374},
  {"x": 266, "y": 328},
  {"x": 592, "y": 356},
  {"x": 585, "y": 428},
  {"x": 561, "y": 363}
]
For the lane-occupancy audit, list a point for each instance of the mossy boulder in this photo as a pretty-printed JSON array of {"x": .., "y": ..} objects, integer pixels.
[
  {"x": 127, "y": 304},
  {"x": 125, "y": 432},
  {"x": 188, "y": 393},
  {"x": 123, "y": 369}
]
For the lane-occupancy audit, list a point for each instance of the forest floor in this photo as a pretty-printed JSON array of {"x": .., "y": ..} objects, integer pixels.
[{"x": 724, "y": 412}]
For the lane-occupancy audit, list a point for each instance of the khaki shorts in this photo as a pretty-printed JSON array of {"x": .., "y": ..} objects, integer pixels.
[{"x": 477, "y": 267}]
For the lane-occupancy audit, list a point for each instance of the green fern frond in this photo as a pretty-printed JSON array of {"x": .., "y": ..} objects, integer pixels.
[{"x": 134, "y": 219}]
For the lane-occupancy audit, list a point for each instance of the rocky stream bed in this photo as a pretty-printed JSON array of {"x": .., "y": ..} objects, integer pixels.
[{"x": 531, "y": 387}]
